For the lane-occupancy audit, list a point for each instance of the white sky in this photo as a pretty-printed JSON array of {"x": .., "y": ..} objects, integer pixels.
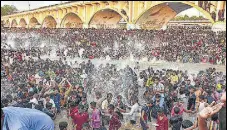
[{"x": 23, "y": 5}]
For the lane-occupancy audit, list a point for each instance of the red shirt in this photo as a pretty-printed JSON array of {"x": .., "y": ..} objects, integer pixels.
[
  {"x": 80, "y": 119},
  {"x": 73, "y": 111},
  {"x": 163, "y": 124},
  {"x": 114, "y": 123}
]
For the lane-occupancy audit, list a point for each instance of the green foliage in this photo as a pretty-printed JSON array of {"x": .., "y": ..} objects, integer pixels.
[
  {"x": 8, "y": 9},
  {"x": 186, "y": 17}
]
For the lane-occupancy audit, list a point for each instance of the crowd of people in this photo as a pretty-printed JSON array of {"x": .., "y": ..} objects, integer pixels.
[
  {"x": 175, "y": 44},
  {"x": 106, "y": 97}
]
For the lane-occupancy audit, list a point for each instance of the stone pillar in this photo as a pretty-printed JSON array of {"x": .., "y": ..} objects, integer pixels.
[
  {"x": 220, "y": 6},
  {"x": 131, "y": 26},
  {"x": 85, "y": 25},
  {"x": 130, "y": 10}
]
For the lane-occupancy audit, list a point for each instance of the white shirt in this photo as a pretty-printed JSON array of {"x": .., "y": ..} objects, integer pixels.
[
  {"x": 140, "y": 82},
  {"x": 45, "y": 102},
  {"x": 105, "y": 104},
  {"x": 158, "y": 87},
  {"x": 34, "y": 100},
  {"x": 134, "y": 112}
]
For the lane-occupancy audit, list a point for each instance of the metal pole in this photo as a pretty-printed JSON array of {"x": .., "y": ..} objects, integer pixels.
[{"x": 28, "y": 5}]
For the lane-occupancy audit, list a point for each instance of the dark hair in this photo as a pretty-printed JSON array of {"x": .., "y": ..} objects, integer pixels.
[
  {"x": 84, "y": 95},
  {"x": 5, "y": 102},
  {"x": 132, "y": 122},
  {"x": 150, "y": 102},
  {"x": 93, "y": 104},
  {"x": 49, "y": 105},
  {"x": 77, "y": 101},
  {"x": 160, "y": 110},
  {"x": 186, "y": 124},
  {"x": 176, "y": 110},
  {"x": 157, "y": 96},
  {"x": 81, "y": 88},
  {"x": 63, "y": 125},
  {"x": 183, "y": 83},
  {"x": 109, "y": 94},
  {"x": 119, "y": 96},
  {"x": 182, "y": 91},
  {"x": 111, "y": 106}
]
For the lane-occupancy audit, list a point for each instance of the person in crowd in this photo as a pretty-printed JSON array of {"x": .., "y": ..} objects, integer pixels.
[
  {"x": 95, "y": 117},
  {"x": 56, "y": 98},
  {"x": 133, "y": 114},
  {"x": 176, "y": 120},
  {"x": 120, "y": 107},
  {"x": 63, "y": 125},
  {"x": 35, "y": 75},
  {"x": 146, "y": 115},
  {"x": 202, "y": 104},
  {"x": 84, "y": 103},
  {"x": 181, "y": 107},
  {"x": 192, "y": 99},
  {"x": 114, "y": 123},
  {"x": 162, "y": 121},
  {"x": 15, "y": 118},
  {"x": 105, "y": 104},
  {"x": 212, "y": 110},
  {"x": 80, "y": 118}
]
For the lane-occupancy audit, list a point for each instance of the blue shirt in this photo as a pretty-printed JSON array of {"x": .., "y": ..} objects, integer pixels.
[{"x": 26, "y": 119}]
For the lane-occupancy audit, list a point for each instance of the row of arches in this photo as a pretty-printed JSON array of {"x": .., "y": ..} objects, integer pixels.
[
  {"x": 156, "y": 16},
  {"x": 70, "y": 20}
]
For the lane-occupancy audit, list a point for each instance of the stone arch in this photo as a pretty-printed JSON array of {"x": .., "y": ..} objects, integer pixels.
[
  {"x": 33, "y": 23},
  {"x": 106, "y": 18},
  {"x": 7, "y": 23},
  {"x": 49, "y": 22},
  {"x": 14, "y": 23},
  {"x": 161, "y": 13},
  {"x": 71, "y": 20},
  {"x": 22, "y": 23}
]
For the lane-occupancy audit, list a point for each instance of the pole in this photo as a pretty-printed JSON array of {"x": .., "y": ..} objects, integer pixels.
[{"x": 28, "y": 5}]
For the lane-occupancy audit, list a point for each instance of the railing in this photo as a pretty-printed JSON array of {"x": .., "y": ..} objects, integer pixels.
[{"x": 188, "y": 21}]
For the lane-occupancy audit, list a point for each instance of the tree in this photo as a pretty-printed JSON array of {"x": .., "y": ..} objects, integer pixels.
[
  {"x": 8, "y": 9},
  {"x": 186, "y": 17}
]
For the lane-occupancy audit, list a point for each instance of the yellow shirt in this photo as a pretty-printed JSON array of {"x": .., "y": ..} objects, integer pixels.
[
  {"x": 149, "y": 82},
  {"x": 67, "y": 92},
  {"x": 219, "y": 87},
  {"x": 174, "y": 79}
]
